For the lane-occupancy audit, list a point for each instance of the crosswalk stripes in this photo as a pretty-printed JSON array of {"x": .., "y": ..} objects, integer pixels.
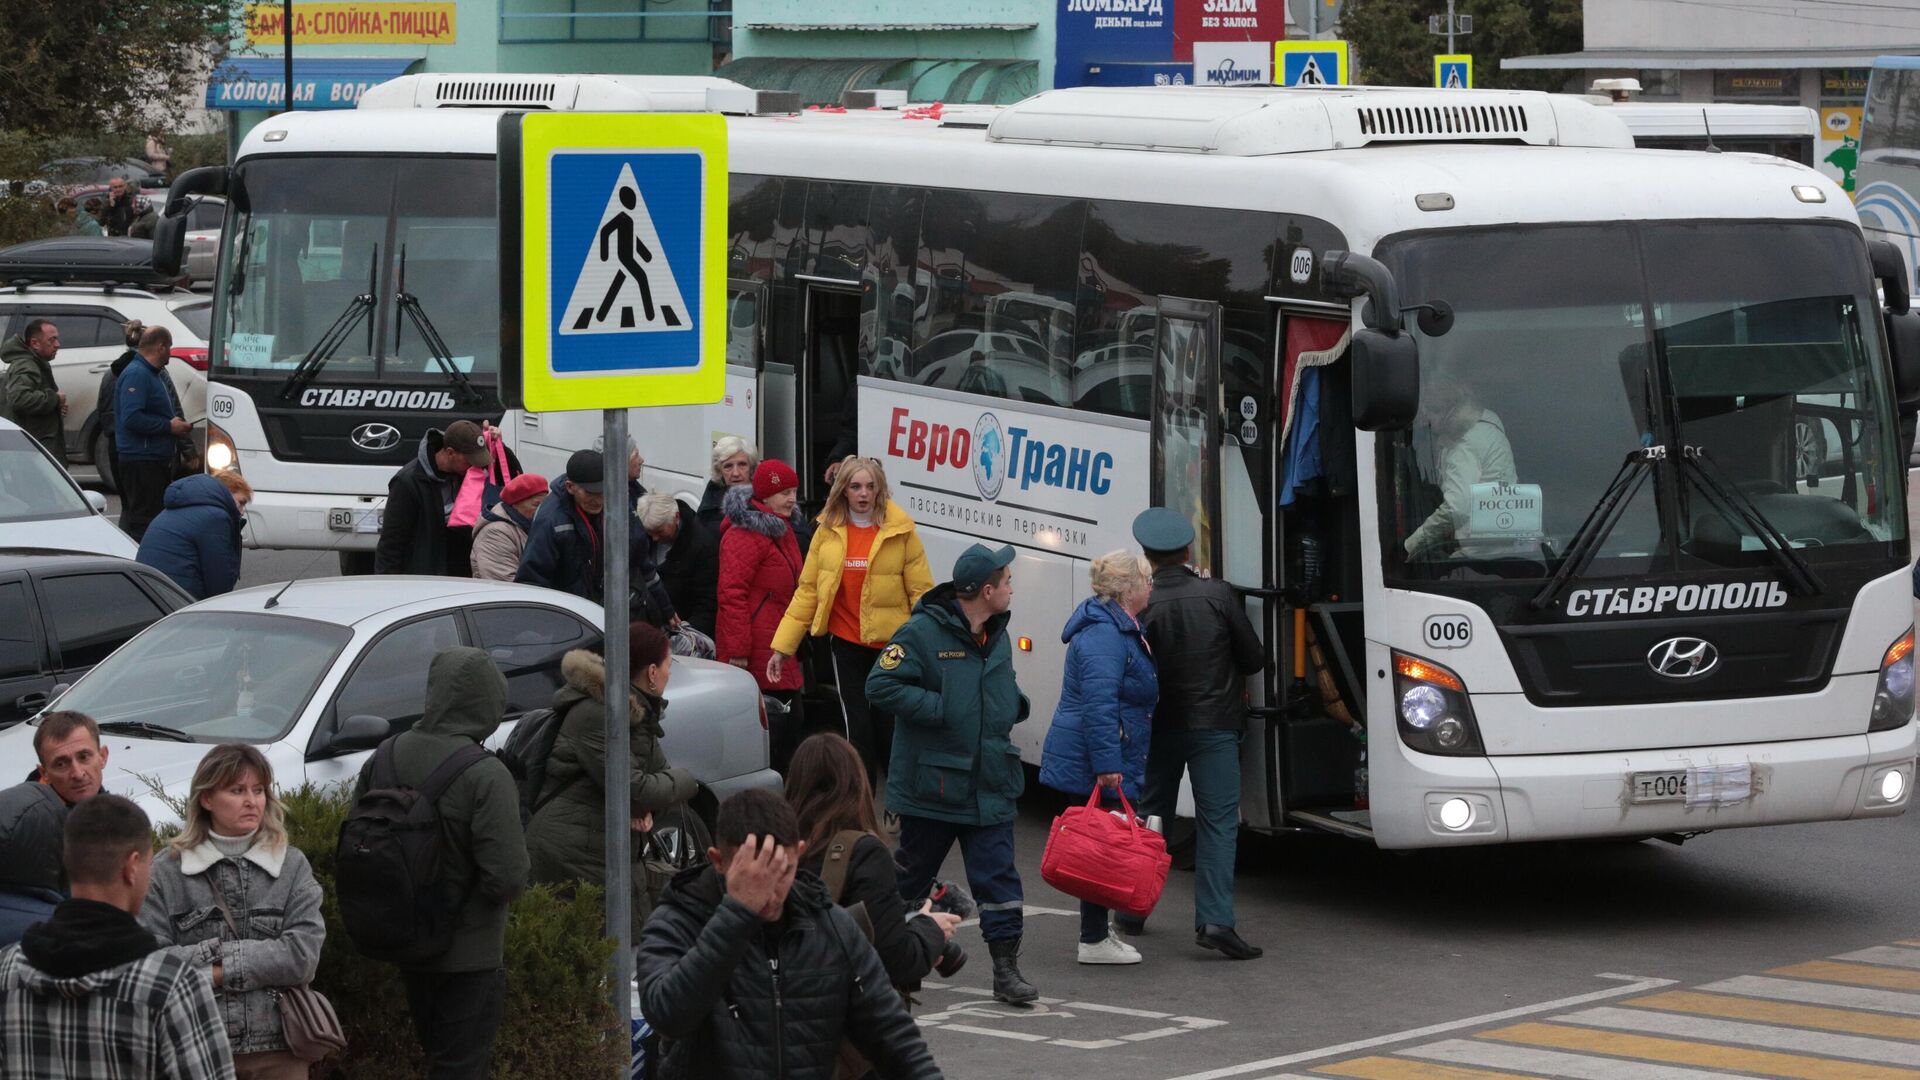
[{"x": 1855, "y": 1016}]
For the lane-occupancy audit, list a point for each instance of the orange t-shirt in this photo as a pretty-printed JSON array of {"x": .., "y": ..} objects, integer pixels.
[{"x": 845, "y": 621}]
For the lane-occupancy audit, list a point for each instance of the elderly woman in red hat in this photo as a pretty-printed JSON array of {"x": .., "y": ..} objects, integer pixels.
[
  {"x": 760, "y": 560},
  {"x": 502, "y": 532}
]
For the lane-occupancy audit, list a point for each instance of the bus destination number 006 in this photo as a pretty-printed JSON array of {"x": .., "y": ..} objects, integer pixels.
[{"x": 1447, "y": 632}]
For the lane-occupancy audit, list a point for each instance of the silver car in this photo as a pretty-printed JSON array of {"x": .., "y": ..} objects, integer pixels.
[
  {"x": 41, "y": 508},
  {"x": 317, "y": 673}
]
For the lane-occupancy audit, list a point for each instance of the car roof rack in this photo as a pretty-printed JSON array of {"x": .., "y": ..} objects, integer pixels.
[{"x": 107, "y": 261}]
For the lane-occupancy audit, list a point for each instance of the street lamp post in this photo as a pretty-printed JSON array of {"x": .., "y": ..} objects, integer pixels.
[{"x": 286, "y": 49}]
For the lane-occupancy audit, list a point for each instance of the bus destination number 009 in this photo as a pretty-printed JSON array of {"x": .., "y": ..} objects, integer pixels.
[{"x": 1447, "y": 632}]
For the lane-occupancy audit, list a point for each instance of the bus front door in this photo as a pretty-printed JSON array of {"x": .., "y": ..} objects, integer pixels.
[{"x": 828, "y": 379}]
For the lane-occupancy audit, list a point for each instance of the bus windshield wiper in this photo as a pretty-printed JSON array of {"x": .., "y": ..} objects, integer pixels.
[
  {"x": 1738, "y": 507},
  {"x": 141, "y": 727},
  {"x": 1600, "y": 521},
  {"x": 436, "y": 345},
  {"x": 358, "y": 308}
]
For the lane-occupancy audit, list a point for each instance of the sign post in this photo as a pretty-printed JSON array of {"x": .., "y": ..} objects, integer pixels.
[{"x": 616, "y": 226}]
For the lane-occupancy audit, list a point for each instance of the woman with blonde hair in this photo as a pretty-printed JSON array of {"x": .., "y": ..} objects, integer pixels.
[
  {"x": 234, "y": 898},
  {"x": 734, "y": 460},
  {"x": 864, "y": 572},
  {"x": 1104, "y": 721}
]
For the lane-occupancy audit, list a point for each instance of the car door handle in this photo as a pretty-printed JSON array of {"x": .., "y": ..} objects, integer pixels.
[
  {"x": 31, "y": 702},
  {"x": 98, "y": 368}
]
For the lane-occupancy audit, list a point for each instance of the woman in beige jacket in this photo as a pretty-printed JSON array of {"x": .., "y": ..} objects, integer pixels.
[{"x": 502, "y": 532}]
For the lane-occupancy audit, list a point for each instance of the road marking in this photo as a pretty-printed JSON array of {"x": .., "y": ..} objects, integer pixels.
[
  {"x": 1682, "y": 1052},
  {"x": 1853, "y": 974},
  {"x": 1053, "y": 1008},
  {"x": 1639, "y": 985},
  {"x": 1768, "y": 1036},
  {"x": 1385, "y": 1068},
  {"x": 1807, "y": 993},
  {"x": 1776, "y": 1012},
  {"x": 1890, "y": 955},
  {"x": 1527, "y": 1059}
]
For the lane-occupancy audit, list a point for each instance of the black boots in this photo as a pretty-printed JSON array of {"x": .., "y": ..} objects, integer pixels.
[
  {"x": 1223, "y": 939},
  {"x": 1008, "y": 984}
]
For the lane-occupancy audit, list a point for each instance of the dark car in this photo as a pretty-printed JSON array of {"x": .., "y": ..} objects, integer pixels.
[{"x": 62, "y": 613}]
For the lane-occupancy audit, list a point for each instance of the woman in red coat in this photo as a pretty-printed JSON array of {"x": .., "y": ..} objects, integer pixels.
[{"x": 760, "y": 562}]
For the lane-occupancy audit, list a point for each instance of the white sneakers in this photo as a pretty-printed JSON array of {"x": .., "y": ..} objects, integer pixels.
[{"x": 1110, "y": 951}]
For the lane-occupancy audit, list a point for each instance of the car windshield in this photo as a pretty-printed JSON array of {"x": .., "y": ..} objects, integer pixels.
[
  {"x": 214, "y": 676},
  {"x": 320, "y": 231},
  {"x": 1746, "y": 348},
  {"x": 32, "y": 487}
]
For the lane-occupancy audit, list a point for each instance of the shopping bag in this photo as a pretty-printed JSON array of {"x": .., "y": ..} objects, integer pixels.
[{"x": 1106, "y": 859}]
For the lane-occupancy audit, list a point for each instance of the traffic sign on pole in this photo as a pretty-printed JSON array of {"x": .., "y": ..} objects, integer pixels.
[
  {"x": 1310, "y": 63},
  {"x": 1453, "y": 72},
  {"x": 613, "y": 259}
]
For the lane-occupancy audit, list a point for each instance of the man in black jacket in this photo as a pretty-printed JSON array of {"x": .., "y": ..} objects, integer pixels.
[
  {"x": 749, "y": 970},
  {"x": 414, "y": 535},
  {"x": 1204, "y": 649}
]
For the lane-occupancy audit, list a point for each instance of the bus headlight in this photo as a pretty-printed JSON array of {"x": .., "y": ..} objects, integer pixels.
[
  {"x": 1434, "y": 714},
  {"x": 220, "y": 451},
  {"x": 1893, "y": 698}
]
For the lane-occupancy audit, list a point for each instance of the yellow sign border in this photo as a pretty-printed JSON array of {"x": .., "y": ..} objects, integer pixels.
[
  {"x": 1442, "y": 59},
  {"x": 542, "y": 134},
  {"x": 1282, "y": 48}
]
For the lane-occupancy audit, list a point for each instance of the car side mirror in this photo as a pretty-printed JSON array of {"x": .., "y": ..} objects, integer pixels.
[
  {"x": 359, "y": 732},
  {"x": 1386, "y": 380},
  {"x": 95, "y": 500},
  {"x": 1903, "y": 346}
]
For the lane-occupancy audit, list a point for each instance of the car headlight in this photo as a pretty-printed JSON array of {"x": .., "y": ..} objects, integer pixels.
[
  {"x": 1435, "y": 715},
  {"x": 1893, "y": 698},
  {"x": 220, "y": 450}
]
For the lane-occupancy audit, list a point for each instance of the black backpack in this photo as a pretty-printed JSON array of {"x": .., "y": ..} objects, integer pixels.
[
  {"x": 387, "y": 867},
  {"x": 526, "y": 754}
]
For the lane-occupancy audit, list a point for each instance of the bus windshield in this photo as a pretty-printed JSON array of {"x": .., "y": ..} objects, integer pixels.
[
  {"x": 321, "y": 230},
  {"x": 1746, "y": 346}
]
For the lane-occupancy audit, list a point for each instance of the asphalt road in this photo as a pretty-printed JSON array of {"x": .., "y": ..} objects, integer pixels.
[{"x": 1529, "y": 961}]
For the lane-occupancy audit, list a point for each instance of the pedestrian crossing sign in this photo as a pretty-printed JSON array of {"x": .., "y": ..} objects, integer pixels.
[
  {"x": 1453, "y": 71},
  {"x": 1310, "y": 63},
  {"x": 616, "y": 226}
]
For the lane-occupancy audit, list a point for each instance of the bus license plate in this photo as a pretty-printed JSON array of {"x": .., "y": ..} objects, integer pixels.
[
  {"x": 350, "y": 519},
  {"x": 1653, "y": 787}
]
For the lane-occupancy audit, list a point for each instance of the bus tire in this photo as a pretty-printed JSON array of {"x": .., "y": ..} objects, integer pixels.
[{"x": 356, "y": 563}]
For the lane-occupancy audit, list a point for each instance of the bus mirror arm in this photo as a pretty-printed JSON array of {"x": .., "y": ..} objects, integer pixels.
[
  {"x": 1890, "y": 268},
  {"x": 1349, "y": 276}
]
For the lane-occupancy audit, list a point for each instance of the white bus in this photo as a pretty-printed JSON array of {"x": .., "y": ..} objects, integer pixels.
[
  {"x": 1647, "y": 624},
  {"x": 1783, "y": 131}
]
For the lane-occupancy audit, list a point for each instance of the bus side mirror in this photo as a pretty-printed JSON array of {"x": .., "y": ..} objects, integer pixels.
[
  {"x": 1386, "y": 380},
  {"x": 1890, "y": 268},
  {"x": 170, "y": 232},
  {"x": 1903, "y": 345}
]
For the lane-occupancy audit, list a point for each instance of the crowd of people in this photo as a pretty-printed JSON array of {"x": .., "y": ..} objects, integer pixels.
[{"x": 840, "y": 874}]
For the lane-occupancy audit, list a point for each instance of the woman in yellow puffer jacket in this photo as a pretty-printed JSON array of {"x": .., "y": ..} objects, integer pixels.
[{"x": 865, "y": 571}]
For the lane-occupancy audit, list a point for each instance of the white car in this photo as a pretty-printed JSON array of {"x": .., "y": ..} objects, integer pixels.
[
  {"x": 317, "y": 673},
  {"x": 42, "y": 508},
  {"x": 90, "y": 319},
  {"x": 204, "y": 222}
]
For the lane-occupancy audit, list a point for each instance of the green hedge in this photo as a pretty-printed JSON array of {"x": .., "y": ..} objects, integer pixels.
[{"x": 558, "y": 1021}]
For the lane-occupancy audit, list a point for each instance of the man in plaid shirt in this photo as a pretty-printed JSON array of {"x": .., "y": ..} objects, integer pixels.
[{"x": 88, "y": 994}]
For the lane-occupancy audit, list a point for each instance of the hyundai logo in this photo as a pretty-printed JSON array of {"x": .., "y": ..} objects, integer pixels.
[
  {"x": 1683, "y": 658},
  {"x": 374, "y": 438}
]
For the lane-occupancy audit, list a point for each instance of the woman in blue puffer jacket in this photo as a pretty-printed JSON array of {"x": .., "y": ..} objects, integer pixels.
[
  {"x": 1101, "y": 729},
  {"x": 196, "y": 539}
]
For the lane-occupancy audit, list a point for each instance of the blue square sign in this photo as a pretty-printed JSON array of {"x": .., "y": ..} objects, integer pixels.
[{"x": 624, "y": 276}]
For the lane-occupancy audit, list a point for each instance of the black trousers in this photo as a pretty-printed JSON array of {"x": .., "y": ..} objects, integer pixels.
[
  {"x": 870, "y": 730},
  {"x": 143, "y": 493},
  {"x": 785, "y": 732},
  {"x": 456, "y": 1016}
]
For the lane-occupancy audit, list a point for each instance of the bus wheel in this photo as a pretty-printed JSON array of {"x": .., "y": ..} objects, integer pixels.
[{"x": 356, "y": 563}]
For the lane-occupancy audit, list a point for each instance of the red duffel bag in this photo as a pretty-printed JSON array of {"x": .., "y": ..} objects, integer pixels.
[{"x": 1096, "y": 856}]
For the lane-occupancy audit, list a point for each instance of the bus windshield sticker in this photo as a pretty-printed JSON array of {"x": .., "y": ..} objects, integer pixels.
[
  {"x": 255, "y": 351},
  {"x": 1506, "y": 511}
]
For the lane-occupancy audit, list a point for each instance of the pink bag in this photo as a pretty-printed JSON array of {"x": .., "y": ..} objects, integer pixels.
[
  {"x": 1095, "y": 856},
  {"x": 481, "y": 485}
]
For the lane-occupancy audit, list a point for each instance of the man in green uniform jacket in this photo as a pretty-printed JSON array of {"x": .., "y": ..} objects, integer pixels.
[
  {"x": 28, "y": 396},
  {"x": 947, "y": 679}
]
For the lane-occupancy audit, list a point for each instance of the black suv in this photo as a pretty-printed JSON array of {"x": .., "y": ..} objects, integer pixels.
[{"x": 62, "y": 613}]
